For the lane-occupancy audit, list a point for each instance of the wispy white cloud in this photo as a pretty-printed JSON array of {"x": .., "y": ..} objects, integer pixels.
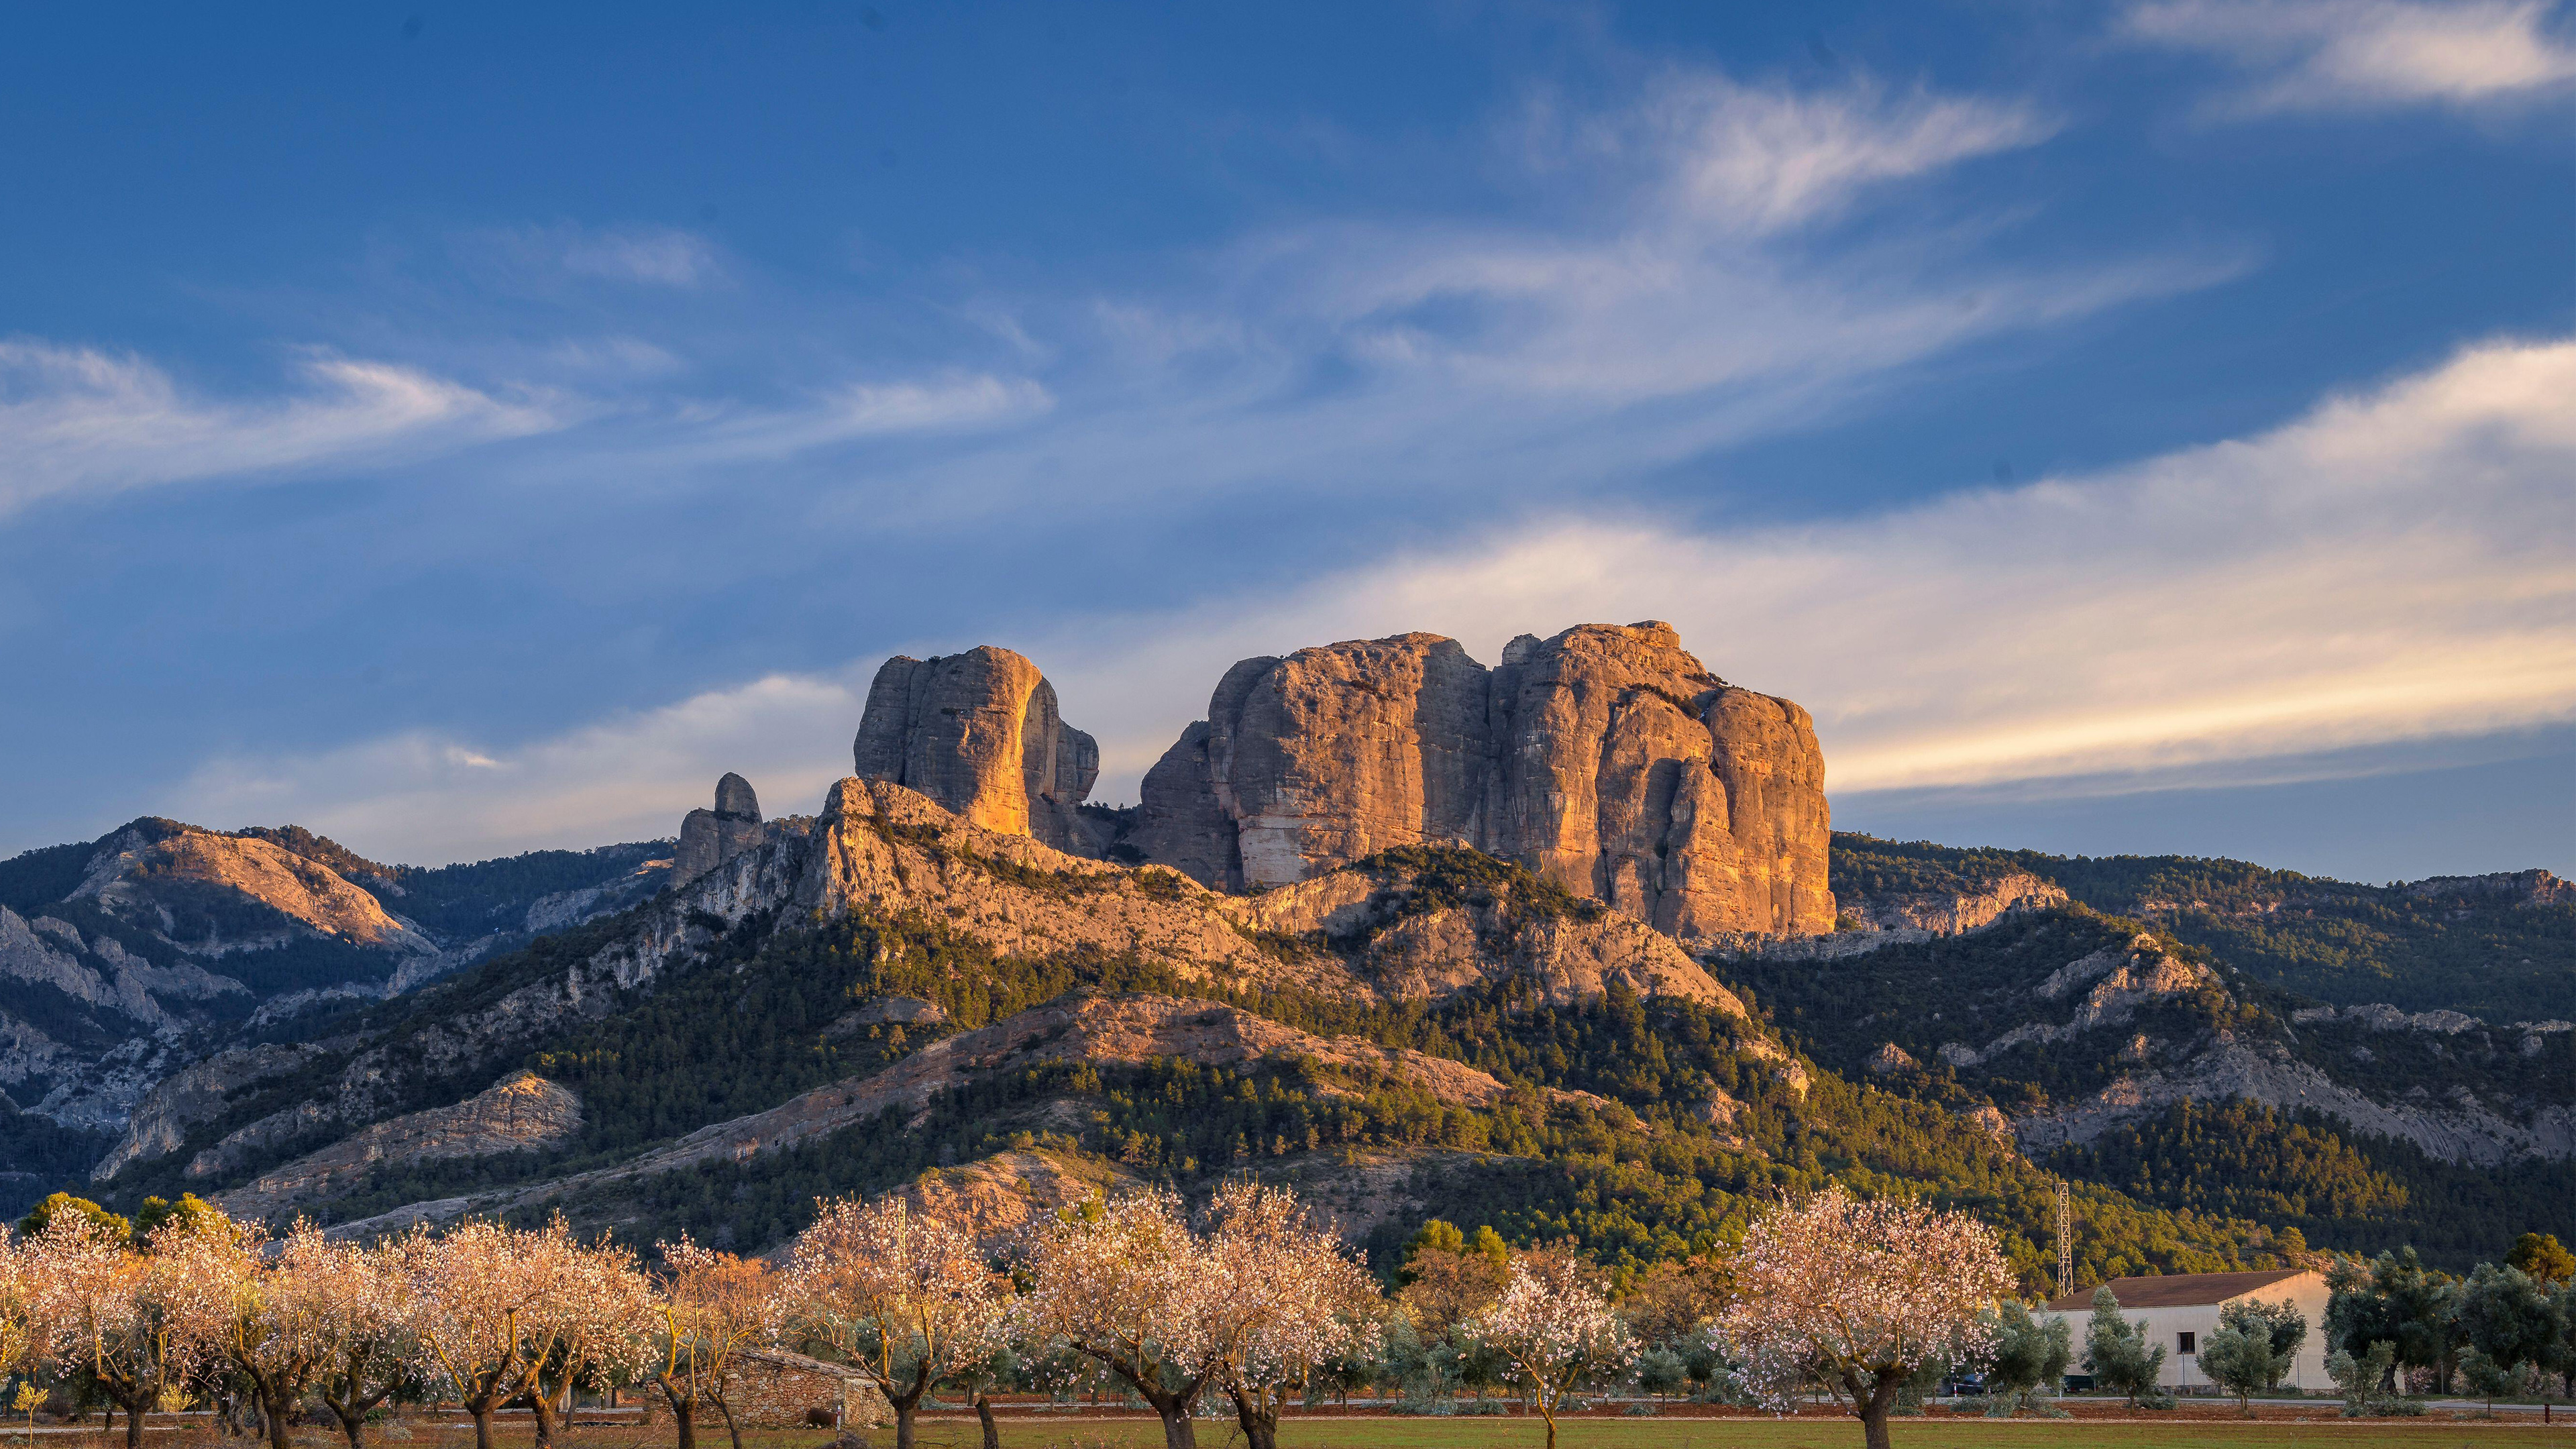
[
  {"x": 2351, "y": 54},
  {"x": 645, "y": 256},
  {"x": 1766, "y": 158},
  {"x": 80, "y": 421},
  {"x": 954, "y": 402}
]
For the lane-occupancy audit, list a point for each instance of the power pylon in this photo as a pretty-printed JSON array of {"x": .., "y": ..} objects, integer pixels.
[{"x": 2065, "y": 1242}]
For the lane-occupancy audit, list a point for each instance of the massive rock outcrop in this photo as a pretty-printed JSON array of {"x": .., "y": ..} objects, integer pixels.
[
  {"x": 709, "y": 838},
  {"x": 1606, "y": 759},
  {"x": 978, "y": 732}
]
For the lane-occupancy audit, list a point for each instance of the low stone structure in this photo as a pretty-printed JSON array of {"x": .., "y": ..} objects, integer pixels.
[{"x": 773, "y": 1388}]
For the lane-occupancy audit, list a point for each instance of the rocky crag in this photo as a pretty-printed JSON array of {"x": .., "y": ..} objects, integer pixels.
[
  {"x": 708, "y": 838},
  {"x": 1605, "y": 759},
  {"x": 978, "y": 732}
]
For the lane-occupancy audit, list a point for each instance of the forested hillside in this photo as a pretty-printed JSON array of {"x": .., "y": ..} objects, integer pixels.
[
  {"x": 1999, "y": 1018},
  {"x": 729, "y": 1047},
  {"x": 2501, "y": 947}
]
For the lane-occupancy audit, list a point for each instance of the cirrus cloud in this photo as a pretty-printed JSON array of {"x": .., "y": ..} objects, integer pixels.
[
  {"x": 2352, "y": 54},
  {"x": 77, "y": 420}
]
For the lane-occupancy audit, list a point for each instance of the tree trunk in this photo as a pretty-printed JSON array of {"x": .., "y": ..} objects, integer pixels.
[
  {"x": 352, "y": 1426},
  {"x": 684, "y": 1413},
  {"x": 134, "y": 1409},
  {"x": 984, "y": 1412},
  {"x": 732, "y": 1429},
  {"x": 482, "y": 1425},
  {"x": 542, "y": 1405},
  {"x": 274, "y": 1410},
  {"x": 1260, "y": 1421},
  {"x": 1873, "y": 1410}
]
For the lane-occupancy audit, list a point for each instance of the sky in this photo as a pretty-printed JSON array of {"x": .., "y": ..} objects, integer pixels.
[{"x": 2146, "y": 427}]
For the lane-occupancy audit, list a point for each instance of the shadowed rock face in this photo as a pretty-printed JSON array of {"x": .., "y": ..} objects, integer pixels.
[
  {"x": 1605, "y": 759},
  {"x": 709, "y": 838},
  {"x": 978, "y": 732}
]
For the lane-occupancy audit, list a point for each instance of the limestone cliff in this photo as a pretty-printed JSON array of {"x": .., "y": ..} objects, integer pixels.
[
  {"x": 979, "y": 733},
  {"x": 710, "y": 837},
  {"x": 1606, "y": 759}
]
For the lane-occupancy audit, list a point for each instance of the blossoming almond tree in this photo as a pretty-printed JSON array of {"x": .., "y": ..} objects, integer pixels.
[
  {"x": 901, "y": 1295},
  {"x": 1126, "y": 1284},
  {"x": 1861, "y": 1295},
  {"x": 1554, "y": 1324},
  {"x": 712, "y": 1306},
  {"x": 374, "y": 1349},
  {"x": 105, "y": 1319},
  {"x": 268, "y": 1321},
  {"x": 483, "y": 1297},
  {"x": 1286, "y": 1298},
  {"x": 590, "y": 1326}
]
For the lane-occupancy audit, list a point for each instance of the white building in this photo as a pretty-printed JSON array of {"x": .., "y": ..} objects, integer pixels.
[{"x": 2181, "y": 1309}]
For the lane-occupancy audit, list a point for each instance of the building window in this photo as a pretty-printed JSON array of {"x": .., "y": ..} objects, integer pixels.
[{"x": 2190, "y": 1343}]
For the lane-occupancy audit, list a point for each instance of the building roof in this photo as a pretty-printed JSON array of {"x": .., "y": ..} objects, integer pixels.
[{"x": 2178, "y": 1290}]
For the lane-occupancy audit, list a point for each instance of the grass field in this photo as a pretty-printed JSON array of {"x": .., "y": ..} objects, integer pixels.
[
  {"x": 1809, "y": 1431},
  {"x": 1804, "y": 1433}
]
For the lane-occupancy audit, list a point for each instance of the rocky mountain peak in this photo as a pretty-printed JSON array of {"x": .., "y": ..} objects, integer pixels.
[
  {"x": 979, "y": 733},
  {"x": 1607, "y": 759}
]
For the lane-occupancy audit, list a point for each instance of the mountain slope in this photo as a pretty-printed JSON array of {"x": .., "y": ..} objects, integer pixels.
[
  {"x": 2496, "y": 946},
  {"x": 2100, "y": 1043},
  {"x": 124, "y": 960},
  {"x": 898, "y": 999}
]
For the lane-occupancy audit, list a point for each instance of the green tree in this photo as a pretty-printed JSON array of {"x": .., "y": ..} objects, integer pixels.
[
  {"x": 2361, "y": 1378},
  {"x": 2252, "y": 1348},
  {"x": 2029, "y": 1356},
  {"x": 2118, "y": 1355},
  {"x": 2539, "y": 1255},
  {"x": 2507, "y": 1319},
  {"x": 2396, "y": 1299},
  {"x": 189, "y": 1211},
  {"x": 62, "y": 1202}
]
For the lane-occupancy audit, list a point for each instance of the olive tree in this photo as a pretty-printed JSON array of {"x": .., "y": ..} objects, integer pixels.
[{"x": 2252, "y": 1348}]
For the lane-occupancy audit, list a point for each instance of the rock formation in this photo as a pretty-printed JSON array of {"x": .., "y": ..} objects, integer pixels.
[
  {"x": 709, "y": 838},
  {"x": 1606, "y": 759},
  {"x": 978, "y": 732}
]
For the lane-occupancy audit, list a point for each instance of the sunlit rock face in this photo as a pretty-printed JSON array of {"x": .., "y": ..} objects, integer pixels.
[
  {"x": 979, "y": 733},
  {"x": 1606, "y": 759}
]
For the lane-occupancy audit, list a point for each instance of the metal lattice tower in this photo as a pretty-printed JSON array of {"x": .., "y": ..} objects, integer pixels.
[{"x": 2065, "y": 1242}]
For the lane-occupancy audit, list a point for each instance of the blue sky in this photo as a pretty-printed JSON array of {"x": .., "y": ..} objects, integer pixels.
[{"x": 2134, "y": 427}]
